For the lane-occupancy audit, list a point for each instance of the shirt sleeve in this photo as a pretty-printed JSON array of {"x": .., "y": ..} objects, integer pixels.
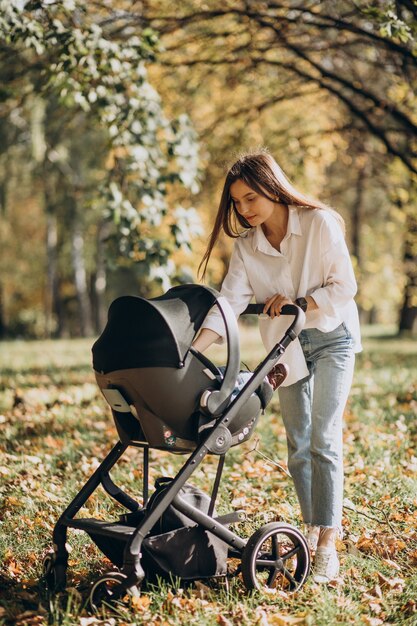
[
  {"x": 339, "y": 280},
  {"x": 236, "y": 289}
]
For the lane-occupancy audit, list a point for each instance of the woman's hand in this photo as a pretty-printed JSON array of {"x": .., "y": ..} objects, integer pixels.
[{"x": 274, "y": 304}]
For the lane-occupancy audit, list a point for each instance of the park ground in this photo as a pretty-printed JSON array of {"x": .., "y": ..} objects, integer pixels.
[{"x": 55, "y": 429}]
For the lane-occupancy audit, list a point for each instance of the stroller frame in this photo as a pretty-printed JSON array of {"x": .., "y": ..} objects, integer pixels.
[{"x": 217, "y": 442}]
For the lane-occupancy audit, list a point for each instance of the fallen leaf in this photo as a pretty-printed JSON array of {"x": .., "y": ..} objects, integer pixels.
[
  {"x": 376, "y": 591},
  {"x": 413, "y": 557},
  {"x": 392, "y": 583},
  {"x": 372, "y": 621},
  {"x": 262, "y": 617},
  {"x": 395, "y": 565},
  {"x": 140, "y": 603},
  {"x": 281, "y": 619}
]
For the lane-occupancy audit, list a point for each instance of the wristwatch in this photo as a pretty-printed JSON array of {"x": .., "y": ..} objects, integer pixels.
[{"x": 302, "y": 303}]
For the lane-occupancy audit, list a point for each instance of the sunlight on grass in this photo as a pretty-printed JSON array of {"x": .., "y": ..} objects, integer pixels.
[
  {"x": 49, "y": 354},
  {"x": 55, "y": 429}
]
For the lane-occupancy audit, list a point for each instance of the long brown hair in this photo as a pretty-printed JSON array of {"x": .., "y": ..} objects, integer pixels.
[{"x": 260, "y": 172}]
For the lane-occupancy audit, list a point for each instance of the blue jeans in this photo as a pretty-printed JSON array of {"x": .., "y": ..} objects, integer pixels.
[{"x": 312, "y": 410}]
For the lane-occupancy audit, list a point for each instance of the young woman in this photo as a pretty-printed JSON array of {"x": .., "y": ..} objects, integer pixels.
[{"x": 290, "y": 248}]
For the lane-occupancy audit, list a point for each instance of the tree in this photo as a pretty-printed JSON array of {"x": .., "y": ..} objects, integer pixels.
[
  {"x": 87, "y": 63},
  {"x": 334, "y": 46},
  {"x": 359, "y": 60}
]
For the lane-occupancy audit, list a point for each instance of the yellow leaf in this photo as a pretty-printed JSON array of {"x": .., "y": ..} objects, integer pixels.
[{"x": 141, "y": 603}]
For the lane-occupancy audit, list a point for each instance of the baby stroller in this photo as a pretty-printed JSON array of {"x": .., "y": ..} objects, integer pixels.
[{"x": 165, "y": 395}]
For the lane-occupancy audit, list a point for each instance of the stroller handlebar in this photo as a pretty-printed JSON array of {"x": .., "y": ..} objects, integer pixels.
[
  {"x": 294, "y": 328},
  {"x": 257, "y": 309}
]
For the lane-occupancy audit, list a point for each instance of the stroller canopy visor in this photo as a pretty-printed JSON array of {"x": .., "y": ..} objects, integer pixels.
[{"x": 152, "y": 333}]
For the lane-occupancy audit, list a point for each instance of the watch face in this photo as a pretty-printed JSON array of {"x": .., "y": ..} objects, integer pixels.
[{"x": 302, "y": 303}]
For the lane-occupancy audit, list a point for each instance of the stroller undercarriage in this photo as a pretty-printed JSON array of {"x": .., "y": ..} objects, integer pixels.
[{"x": 276, "y": 556}]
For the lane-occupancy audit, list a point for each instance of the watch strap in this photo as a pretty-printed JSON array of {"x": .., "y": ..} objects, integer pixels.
[{"x": 302, "y": 303}]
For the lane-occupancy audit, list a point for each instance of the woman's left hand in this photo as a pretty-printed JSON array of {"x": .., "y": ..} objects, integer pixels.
[{"x": 274, "y": 304}]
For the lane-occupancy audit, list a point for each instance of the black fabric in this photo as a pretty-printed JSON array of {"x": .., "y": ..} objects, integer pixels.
[
  {"x": 152, "y": 333},
  {"x": 172, "y": 519},
  {"x": 176, "y": 546},
  {"x": 186, "y": 553},
  {"x": 111, "y": 547}
]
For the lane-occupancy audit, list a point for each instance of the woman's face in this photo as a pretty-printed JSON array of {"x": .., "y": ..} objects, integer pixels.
[{"x": 253, "y": 207}]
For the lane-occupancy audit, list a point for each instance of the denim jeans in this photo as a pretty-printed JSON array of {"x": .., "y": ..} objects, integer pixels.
[{"x": 312, "y": 410}]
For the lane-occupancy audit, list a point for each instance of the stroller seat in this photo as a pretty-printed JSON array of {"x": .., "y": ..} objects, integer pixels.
[{"x": 154, "y": 380}]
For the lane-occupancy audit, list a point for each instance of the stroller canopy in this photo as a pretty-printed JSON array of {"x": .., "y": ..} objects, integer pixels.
[{"x": 152, "y": 333}]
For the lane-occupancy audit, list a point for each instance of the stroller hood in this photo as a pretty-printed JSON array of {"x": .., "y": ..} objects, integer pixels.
[
  {"x": 152, "y": 333},
  {"x": 145, "y": 355}
]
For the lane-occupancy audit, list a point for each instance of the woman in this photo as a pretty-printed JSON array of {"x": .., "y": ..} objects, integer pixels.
[{"x": 290, "y": 248}]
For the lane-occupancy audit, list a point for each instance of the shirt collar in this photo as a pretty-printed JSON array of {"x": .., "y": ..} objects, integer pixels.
[
  {"x": 261, "y": 243},
  {"x": 294, "y": 226}
]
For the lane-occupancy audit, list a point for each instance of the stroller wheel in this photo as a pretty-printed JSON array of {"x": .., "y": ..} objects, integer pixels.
[
  {"x": 275, "y": 558},
  {"x": 53, "y": 575},
  {"x": 108, "y": 589}
]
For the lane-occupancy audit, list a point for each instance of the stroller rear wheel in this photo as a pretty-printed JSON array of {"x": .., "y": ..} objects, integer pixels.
[
  {"x": 275, "y": 558},
  {"x": 108, "y": 589}
]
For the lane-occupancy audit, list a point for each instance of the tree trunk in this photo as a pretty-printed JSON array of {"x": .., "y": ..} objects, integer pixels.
[
  {"x": 99, "y": 281},
  {"x": 51, "y": 295},
  {"x": 3, "y": 327},
  {"x": 39, "y": 150},
  {"x": 356, "y": 224},
  {"x": 408, "y": 314},
  {"x": 80, "y": 278},
  {"x": 357, "y": 214}
]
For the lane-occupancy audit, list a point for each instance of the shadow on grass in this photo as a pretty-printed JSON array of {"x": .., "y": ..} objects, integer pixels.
[{"x": 31, "y": 602}]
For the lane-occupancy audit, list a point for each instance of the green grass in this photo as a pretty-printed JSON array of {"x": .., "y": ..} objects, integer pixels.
[{"x": 55, "y": 429}]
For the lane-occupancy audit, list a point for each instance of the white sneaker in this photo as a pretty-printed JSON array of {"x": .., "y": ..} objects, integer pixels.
[
  {"x": 326, "y": 565},
  {"x": 312, "y": 536}
]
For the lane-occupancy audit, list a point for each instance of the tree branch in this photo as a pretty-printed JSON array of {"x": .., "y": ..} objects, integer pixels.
[
  {"x": 359, "y": 113},
  {"x": 341, "y": 24},
  {"x": 361, "y": 91},
  {"x": 260, "y": 106},
  {"x": 177, "y": 22}
]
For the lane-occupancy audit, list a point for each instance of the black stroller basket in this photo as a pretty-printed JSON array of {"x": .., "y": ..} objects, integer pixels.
[{"x": 165, "y": 395}]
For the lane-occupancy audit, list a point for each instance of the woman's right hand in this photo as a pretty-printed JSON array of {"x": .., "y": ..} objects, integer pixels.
[{"x": 275, "y": 303}]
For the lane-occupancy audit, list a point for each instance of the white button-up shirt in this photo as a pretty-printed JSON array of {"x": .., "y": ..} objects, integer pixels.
[{"x": 313, "y": 261}]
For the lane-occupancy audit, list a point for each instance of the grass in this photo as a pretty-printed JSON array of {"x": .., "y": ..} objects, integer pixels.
[{"x": 55, "y": 429}]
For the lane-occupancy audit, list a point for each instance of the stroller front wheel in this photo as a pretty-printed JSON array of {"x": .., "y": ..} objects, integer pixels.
[
  {"x": 108, "y": 589},
  {"x": 276, "y": 558},
  {"x": 54, "y": 576}
]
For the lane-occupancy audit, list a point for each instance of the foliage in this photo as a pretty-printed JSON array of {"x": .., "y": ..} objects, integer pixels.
[
  {"x": 389, "y": 18},
  {"x": 329, "y": 87},
  {"x": 92, "y": 124},
  {"x": 91, "y": 59},
  {"x": 56, "y": 429},
  {"x": 362, "y": 58}
]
